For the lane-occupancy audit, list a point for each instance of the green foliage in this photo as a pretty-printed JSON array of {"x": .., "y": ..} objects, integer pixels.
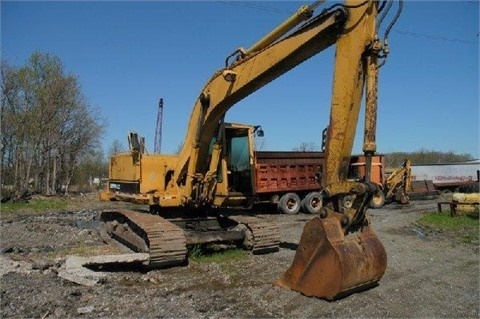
[
  {"x": 48, "y": 128},
  {"x": 465, "y": 227},
  {"x": 424, "y": 156},
  {"x": 445, "y": 221},
  {"x": 195, "y": 252},
  {"x": 89, "y": 168},
  {"x": 212, "y": 253},
  {"x": 36, "y": 205}
]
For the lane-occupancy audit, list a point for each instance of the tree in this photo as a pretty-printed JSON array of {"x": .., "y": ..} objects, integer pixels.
[
  {"x": 306, "y": 147},
  {"x": 115, "y": 148},
  {"x": 47, "y": 126},
  {"x": 89, "y": 169},
  {"x": 424, "y": 156}
]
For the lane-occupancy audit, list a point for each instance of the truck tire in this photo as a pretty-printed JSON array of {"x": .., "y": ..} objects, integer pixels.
[
  {"x": 312, "y": 203},
  {"x": 289, "y": 204},
  {"x": 378, "y": 200}
]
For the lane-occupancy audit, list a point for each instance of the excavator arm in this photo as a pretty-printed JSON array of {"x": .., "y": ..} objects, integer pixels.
[{"x": 338, "y": 252}]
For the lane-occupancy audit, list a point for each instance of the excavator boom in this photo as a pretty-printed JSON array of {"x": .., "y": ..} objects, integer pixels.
[{"x": 249, "y": 72}]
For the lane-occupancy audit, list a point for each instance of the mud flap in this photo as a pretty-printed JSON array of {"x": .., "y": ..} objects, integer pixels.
[{"x": 329, "y": 265}]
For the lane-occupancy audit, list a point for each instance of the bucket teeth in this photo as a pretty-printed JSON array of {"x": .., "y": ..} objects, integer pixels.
[{"x": 330, "y": 265}]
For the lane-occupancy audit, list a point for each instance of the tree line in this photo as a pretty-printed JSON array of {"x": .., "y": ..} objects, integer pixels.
[
  {"x": 425, "y": 156},
  {"x": 396, "y": 159},
  {"x": 50, "y": 135}
]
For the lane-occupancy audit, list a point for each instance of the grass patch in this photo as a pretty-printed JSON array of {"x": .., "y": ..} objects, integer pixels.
[
  {"x": 463, "y": 227},
  {"x": 36, "y": 205},
  {"x": 213, "y": 253},
  {"x": 446, "y": 222}
]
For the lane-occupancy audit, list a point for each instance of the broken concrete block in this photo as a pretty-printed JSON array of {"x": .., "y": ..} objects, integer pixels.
[{"x": 74, "y": 269}]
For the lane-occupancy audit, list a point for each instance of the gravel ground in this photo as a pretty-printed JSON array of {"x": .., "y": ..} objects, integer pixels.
[{"x": 429, "y": 274}]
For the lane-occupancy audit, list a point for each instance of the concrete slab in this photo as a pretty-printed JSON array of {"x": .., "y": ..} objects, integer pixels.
[{"x": 74, "y": 269}]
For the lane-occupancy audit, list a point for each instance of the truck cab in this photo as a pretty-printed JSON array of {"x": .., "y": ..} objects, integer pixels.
[{"x": 246, "y": 176}]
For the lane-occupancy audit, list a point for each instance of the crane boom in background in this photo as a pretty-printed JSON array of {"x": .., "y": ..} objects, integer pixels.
[{"x": 158, "y": 130}]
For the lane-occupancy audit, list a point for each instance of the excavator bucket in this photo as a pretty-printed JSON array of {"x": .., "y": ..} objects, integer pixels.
[{"x": 330, "y": 265}]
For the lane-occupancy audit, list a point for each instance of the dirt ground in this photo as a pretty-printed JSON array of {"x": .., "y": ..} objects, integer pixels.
[{"x": 429, "y": 274}]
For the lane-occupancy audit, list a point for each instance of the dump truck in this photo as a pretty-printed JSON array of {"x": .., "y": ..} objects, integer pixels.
[{"x": 338, "y": 252}]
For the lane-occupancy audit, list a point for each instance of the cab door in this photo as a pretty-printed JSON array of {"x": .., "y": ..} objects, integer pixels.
[{"x": 239, "y": 160}]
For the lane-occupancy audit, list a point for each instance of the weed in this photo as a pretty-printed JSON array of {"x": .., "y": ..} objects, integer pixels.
[
  {"x": 36, "y": 205},
  {"x": 465, "y": 227},
  {"x": 195, "y": 252},
  {"x": 212, "y": 253}
]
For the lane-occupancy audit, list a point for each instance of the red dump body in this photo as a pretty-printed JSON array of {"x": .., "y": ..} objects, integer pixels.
[
  {"x": 300, "y": 171},
  {"x": 288, "y": 171}
]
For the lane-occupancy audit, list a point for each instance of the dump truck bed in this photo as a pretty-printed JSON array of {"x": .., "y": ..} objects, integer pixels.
[{"x": 287, "y": 171}]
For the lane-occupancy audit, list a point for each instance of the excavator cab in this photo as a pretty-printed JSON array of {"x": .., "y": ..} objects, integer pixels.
[{"x": 236, "y": 170}]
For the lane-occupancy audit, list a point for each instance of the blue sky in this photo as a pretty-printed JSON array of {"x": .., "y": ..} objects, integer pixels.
[{"x": 128, "y": 54}]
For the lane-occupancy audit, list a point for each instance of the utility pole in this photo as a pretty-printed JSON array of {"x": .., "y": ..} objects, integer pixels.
[{"x": 158, "y": 131}]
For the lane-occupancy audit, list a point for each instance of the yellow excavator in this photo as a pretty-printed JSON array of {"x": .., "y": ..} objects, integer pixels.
[{"x": 338, "y": 252}]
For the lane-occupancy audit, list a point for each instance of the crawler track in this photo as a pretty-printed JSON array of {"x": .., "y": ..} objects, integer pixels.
[
  {"x": 262, "y": 237},
  {"x": 141, "y": 232},
  {"x": 165, "y": 242}
]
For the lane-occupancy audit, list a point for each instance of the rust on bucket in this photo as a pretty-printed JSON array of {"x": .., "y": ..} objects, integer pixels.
[{"x": 330, "y": 265}]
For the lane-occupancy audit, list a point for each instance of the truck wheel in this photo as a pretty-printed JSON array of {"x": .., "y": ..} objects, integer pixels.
[
  {"x": 312, "y": 203},
  {"x": 289, "y": 204},
  {"x": 378, "y": 200}
]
